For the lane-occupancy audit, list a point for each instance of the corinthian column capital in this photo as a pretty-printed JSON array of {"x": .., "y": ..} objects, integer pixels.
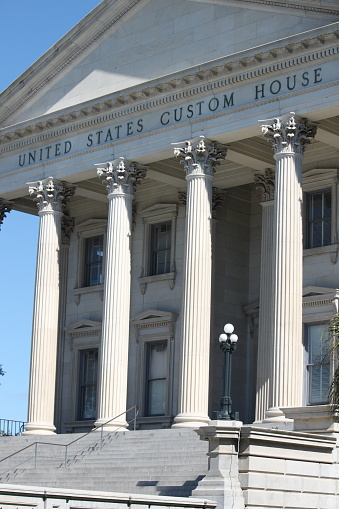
[
  {"x": 50, "y": 194},
  {"x": 200, "y": 156},
  {"x": 5, "y": 208},
  {"x": 289, "y": 133},
  {"x": 121, "y": 176},
  {"x": 265, "y": 182}
]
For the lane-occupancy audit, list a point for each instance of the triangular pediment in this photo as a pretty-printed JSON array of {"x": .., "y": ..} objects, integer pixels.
[
  {"x": 91, "y": 225},
  {"x": 311, "y": 294},
  {"x": 318, "y": 291},
  {"x": 124, "y": 43},
  {"x": 151, "y": 316},
  {"x": 83, "y": 326},
  {"x": 159, "y": 210}
]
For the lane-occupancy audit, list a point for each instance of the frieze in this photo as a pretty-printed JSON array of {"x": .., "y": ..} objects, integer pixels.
[
  {"x": 190, "y": 112},
  {"x": 204, "y": 74}
]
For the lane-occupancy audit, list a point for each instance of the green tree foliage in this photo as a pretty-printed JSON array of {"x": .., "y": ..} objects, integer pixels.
[{"x": 333, "y": 329}]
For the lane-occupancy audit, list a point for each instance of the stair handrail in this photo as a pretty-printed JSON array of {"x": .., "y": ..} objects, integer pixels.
[{"x": 94, "y": 430}]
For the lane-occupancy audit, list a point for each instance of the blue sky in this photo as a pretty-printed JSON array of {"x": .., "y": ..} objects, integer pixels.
[{"x": 28, "y": 28}]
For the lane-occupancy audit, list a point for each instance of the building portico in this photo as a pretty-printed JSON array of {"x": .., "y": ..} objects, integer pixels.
[{"x": 153, "y": 270}]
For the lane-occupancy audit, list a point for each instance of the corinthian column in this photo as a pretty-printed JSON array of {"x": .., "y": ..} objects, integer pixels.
[
  {"x": 120, "y": 178},
  {"x": 265, "y": 347},
  {"x": 199, "y": 158},
  {"x": 288, "y": 136},
  {"x": 5, "y": 208},
  {"x": 50, "y": 196}
]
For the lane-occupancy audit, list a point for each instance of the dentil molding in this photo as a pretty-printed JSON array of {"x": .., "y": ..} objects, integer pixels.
[{"x": 208, "y": 77}]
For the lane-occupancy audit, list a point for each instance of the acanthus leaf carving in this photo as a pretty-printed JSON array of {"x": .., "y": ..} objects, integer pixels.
[
  {"x": 50, "y": 194},
  {"x": 289, "y": 134},
  {"x": 121, "y": 176},
  {"x": 5, "y": 208},
  {"x": 265, "y": 182},
  {"x": 200, "y": 156}
]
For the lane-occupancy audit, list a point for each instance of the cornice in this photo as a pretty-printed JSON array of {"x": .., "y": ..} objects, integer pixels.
[
  {"x": 301, "y": 5},
  {"x": 218, "y": 74}
]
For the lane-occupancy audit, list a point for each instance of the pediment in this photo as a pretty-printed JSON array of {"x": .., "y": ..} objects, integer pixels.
[
  {"x": 160, "y": 209},
  {"x": 124, "y": 43},
  {"x": 312, "y": 296},
  {"x": 82, "y": 326},
  {"x": 153, "y": 316},
  {"x": 91, "y": 225},
  {"x": 319, "y": 291}
]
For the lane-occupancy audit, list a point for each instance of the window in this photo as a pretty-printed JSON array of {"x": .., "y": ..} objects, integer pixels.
[
  {"x": 89, "y": 255},
  {"x": 154, "y": 334},
  {"x": 156, "y": 390},
  {"x": 94, "y": 252},
  {"x": 319, "y": 219},
  {"x": 161, "y": 248},
  {"x": 158, "y": 255},
  {"x": 88, "y": 374},
  {"x": 318, "y": 364}
]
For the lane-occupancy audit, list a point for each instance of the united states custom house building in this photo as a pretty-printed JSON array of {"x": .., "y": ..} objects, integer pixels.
[{"x": 183, "y": 159}]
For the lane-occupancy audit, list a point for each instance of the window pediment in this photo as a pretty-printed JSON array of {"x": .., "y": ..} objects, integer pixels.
[
  {"x": 91, "y": 226},
  {"x": 154, "y": 322},
  {"x": 83, "y": 326}
]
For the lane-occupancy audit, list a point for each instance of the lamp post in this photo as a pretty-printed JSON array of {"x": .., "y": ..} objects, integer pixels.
[{"x": 228, "y": 343}]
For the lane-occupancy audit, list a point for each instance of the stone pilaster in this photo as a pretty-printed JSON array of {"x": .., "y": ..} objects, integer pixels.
[
  {"x": 288, "y": 136},
  {"x": 50, "y": 196},
  {"x": 265, "y": 333},
  {"x": 67, "y": 224},
  {"x": 5, "y": 208},
  {"x": 200, "y": 158},
  {"x": 120, "y": 178}
]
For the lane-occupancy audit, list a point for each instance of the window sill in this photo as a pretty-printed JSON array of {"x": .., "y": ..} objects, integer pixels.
[
  {"x": 88, "y": 289},
  {"x": 332, "y": 250},
  {"x": 145, "y": 280}
]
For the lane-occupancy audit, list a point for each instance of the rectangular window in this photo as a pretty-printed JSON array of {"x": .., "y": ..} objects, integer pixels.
[
  {"x": 161, "y": 248},
  {"x": 318, "y": 364},
  {"x": 94, "y": 252},
  {"x": 319, "y": 219},
  {"x": 88, "y": 374},
  {"x": 156, "y": 383}
]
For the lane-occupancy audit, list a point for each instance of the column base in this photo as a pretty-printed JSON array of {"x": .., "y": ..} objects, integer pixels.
[
  {"x": 115, "y": 425},
  {"x": 190, "y": 421},
  {"x": 275, "y": 415},
  {"x": 37, "y": 428}
]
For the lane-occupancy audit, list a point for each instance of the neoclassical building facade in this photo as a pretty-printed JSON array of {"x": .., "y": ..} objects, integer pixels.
[{"x": 183, "y": 159}]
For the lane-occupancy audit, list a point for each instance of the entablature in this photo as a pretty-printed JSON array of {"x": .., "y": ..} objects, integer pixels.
[{"x": 247, "y": 65}]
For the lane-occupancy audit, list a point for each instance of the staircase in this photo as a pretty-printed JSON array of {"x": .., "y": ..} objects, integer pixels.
[{"x": 158, "y": 462}]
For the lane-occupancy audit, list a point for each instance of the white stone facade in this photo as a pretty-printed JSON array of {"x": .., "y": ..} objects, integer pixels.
[{"x": 192, "y": 246}]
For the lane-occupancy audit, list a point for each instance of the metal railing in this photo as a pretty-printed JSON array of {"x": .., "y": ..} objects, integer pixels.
[
  {"x": 102, "y": 426},
  {"x": 10, "y": 428},
  {"x": 66, "y": 446}
]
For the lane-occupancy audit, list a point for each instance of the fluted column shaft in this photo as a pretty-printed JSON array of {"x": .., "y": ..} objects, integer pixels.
[
  {"x": 120, "y": 178},
  {"x": 265, "y": 347},
  {"x": 200, "y": 158},
  {"x": 50, "y": 196},
  {"x": 289, "y": 136},
  {"x": 265, "y": 332}
]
